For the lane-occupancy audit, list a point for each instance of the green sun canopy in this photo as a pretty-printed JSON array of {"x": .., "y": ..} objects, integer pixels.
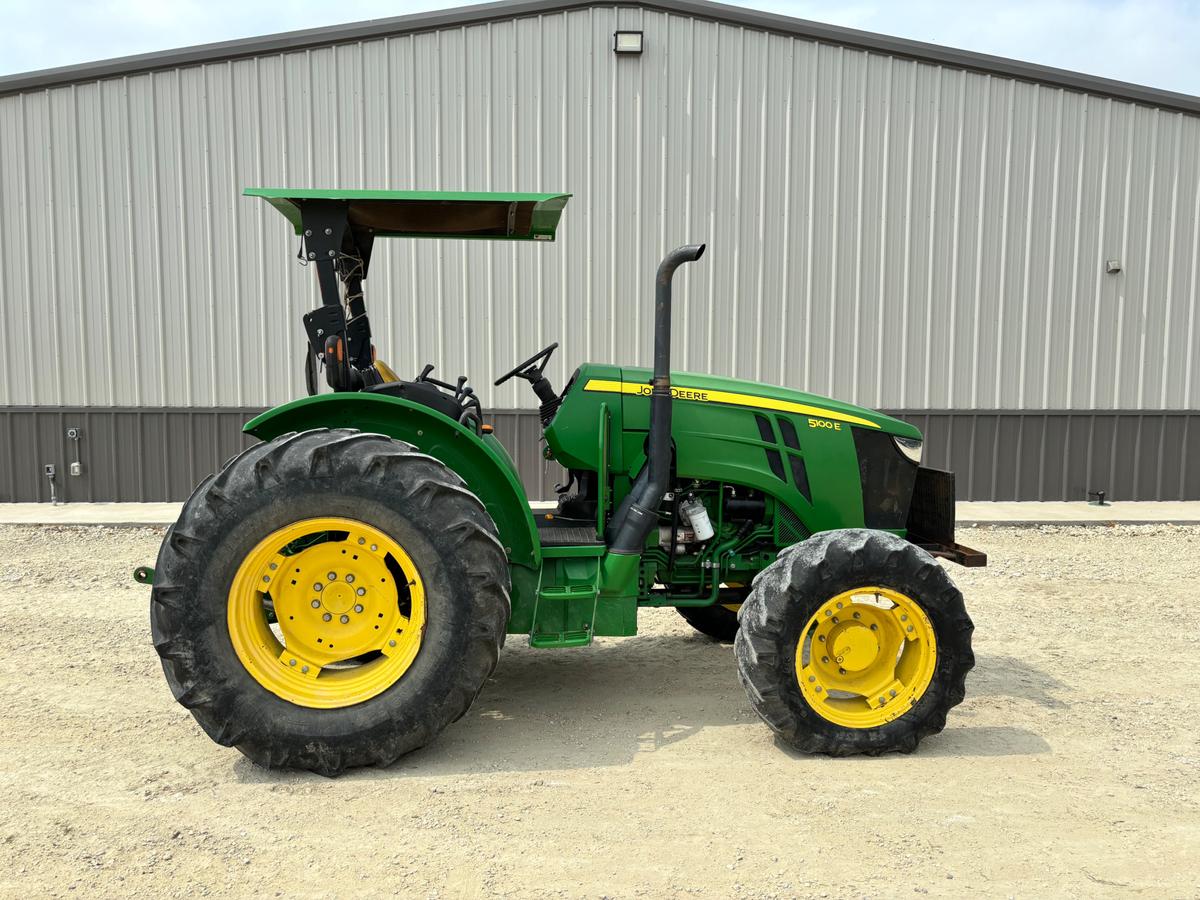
[{"x": 432, "y": 214}]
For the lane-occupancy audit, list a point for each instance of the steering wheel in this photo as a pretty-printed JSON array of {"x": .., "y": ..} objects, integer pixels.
[{"x": 524, "y": 368}]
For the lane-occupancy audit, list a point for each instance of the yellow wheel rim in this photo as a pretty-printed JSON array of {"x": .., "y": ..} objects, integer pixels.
[
  {"x": 866, "y": 657},
  {"x": 349, "y": 610}
]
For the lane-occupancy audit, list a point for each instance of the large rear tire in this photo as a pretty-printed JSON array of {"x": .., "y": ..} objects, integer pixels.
[
  {"x": 330, "y": 599},
  {"x": 854, "y": 641}
]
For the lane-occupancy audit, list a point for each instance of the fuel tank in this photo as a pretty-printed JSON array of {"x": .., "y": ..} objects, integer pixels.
[{"x": 829, "y": 464}]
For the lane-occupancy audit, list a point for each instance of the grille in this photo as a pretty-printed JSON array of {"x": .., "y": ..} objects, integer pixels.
[
  {"x": 788, "y": 527},
  {"x": 774, "y": 460},
  {"x": 800, "y": 477},
  {"x": 931, "y": 515}
]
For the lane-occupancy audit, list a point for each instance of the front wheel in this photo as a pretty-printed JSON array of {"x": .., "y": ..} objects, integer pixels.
[{"x": 854, "y": 641}]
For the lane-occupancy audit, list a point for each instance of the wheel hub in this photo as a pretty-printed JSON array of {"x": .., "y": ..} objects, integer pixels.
[
  {"x": 320, "y": 609},
  {"x": 855, "y": 647},
  {"x": 865, "y": 657},
  {"x": 337, "y": 598},
  {"x": 348, "y": 627}
]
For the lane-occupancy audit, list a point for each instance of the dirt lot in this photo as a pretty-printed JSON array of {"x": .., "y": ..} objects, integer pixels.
[{"x": 633, "y": 768}]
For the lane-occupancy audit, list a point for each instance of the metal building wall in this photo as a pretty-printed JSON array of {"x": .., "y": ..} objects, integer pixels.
[
  {"x": 905, "y": 235},
  {"x": 161, "y": 454}
]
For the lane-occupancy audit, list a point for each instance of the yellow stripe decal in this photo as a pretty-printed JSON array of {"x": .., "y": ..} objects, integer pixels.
[{"x": 705, "y": 396}]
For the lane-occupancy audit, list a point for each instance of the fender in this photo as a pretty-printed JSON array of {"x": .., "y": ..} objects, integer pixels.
[{"x": 486, "y": 469}]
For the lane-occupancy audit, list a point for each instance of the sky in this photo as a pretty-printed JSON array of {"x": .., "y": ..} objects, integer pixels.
[{"x": 1149, "y": 42}]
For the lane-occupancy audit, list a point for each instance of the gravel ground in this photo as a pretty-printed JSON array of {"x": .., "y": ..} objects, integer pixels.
[{"x": 633, "y": 768}]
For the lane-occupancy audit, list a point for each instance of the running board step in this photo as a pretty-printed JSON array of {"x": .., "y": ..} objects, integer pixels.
[{"x": 565, "y": 613}]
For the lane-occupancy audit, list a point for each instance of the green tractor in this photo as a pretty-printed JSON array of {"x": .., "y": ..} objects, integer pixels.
[{"x": 339, "y": 593}]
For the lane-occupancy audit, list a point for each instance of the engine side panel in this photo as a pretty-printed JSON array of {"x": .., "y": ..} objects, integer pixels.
[{"x": 797, "y": 448}]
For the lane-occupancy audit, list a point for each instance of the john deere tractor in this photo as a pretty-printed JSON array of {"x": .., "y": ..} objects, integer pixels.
[{"x": 339, "y": 593}]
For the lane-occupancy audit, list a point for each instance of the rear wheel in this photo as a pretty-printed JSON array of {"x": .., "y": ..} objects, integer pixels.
[
  {"x": 854, "y": 641},
  {"x": 330, "y": 599}
]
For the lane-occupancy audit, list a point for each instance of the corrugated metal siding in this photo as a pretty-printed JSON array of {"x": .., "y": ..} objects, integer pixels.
[
  {"x": 892, "y": 232},
  {"x": 161, "y": 454},
  {"x": 143, "y": 455},
  {"x": 1058, "y": 455},
  {"x": 128, "y": 455}
]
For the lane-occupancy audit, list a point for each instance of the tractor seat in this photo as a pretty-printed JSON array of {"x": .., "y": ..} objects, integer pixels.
[{"x": 421, "y": 392}]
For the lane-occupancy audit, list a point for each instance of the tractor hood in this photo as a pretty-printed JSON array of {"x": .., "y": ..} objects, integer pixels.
[
  {"x": 693, "y": 388},
  {"x": 833, "y": 464}
]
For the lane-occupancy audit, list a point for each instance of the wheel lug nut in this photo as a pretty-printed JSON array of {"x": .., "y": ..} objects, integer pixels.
[
  {"x": 291, "y": 662},
  {"x": 358, "y": 607},
  {"x": 392, "y": 643},
  {"x": 824, "y": 659},
  {"x": 316, "y": 604},
  {"x": 332, "y": 576},
  {"x": 821, "y": 638},
  {"x": 304, "y": 669},
  {"x": 327, "y": 617},
  {"x": 345, "y": 619},
  {"x": 318, "y": 587},
  {"x": 362, "y": 540},
  {"x": 361, "y": 592},
  {"x": 874, "y": 627},
  {"x": 349, "y": 579},
  {"x": 858, "y": 615}
]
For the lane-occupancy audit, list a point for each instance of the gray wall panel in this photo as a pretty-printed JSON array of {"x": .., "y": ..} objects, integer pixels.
[
  {"x": 1005, "y": 455},
  {"x": 135, "y": 455},
  {"x": 129, "y": 455},
  {"x": 895, "y": 232}
]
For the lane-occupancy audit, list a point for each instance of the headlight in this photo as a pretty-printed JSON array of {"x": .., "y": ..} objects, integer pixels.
[{"x": 910, "y": 448}]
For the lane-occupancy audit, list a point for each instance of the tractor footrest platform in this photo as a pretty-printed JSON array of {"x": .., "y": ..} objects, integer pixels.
[
  {"x": 567, "y": 537},
  {"x": 566, "y": 533}
]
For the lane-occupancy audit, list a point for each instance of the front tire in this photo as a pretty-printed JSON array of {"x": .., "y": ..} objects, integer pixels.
[
  {"x": 854, "y": 641},
  {"x": 330, "y": 599}
]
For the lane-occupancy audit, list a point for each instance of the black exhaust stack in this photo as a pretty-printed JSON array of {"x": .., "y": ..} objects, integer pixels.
[{"x": 637, "y": 513}]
